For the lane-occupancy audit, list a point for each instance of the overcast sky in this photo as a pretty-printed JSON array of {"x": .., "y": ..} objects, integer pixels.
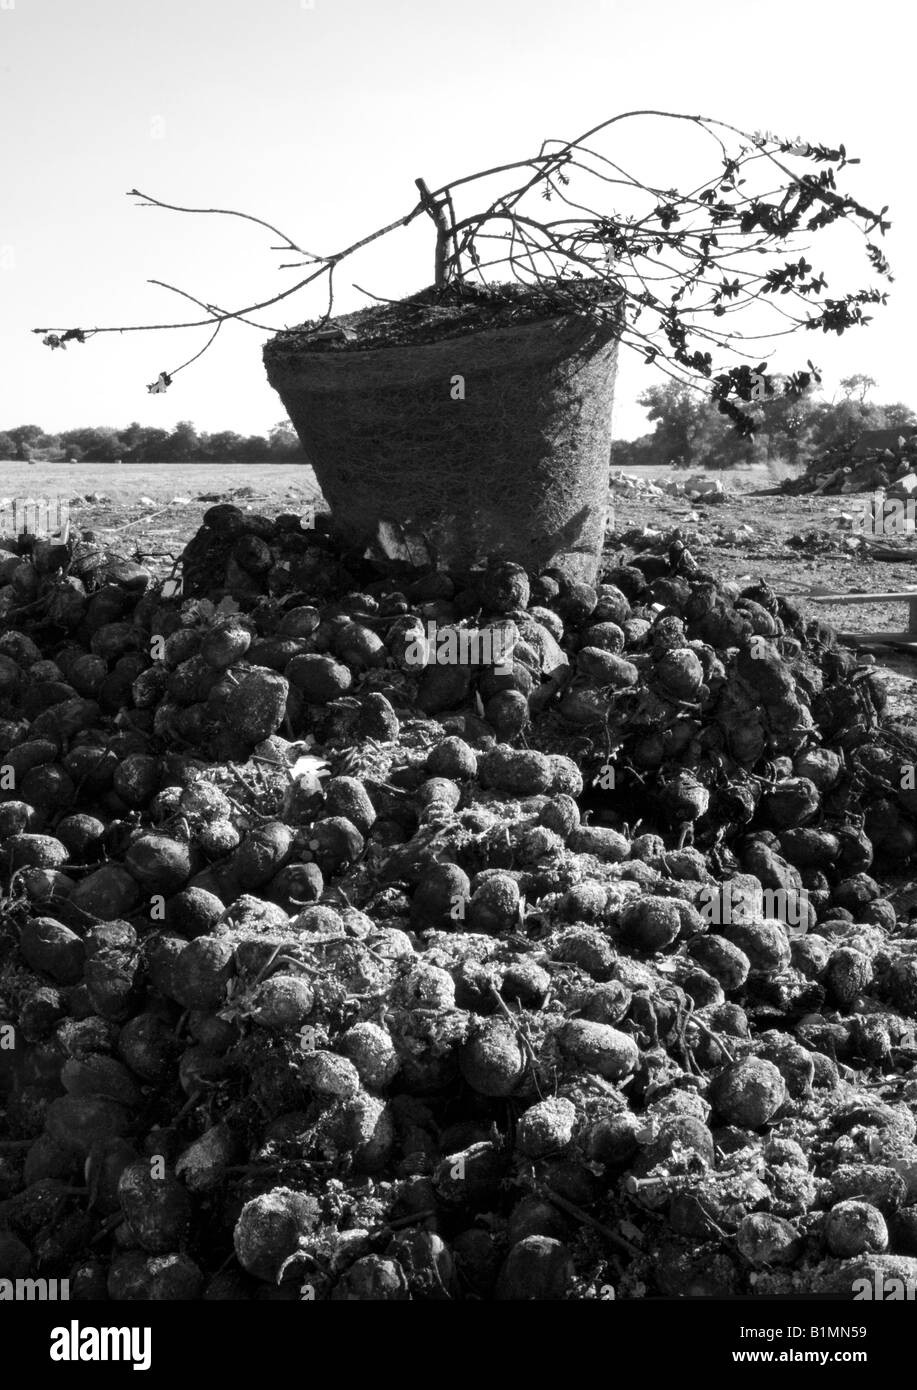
[{"x": 318, "y": 115}]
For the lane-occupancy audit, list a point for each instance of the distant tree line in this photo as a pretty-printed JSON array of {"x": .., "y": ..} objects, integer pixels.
[
  {"x": 146, "y": 444},
  {"x": 690, "y": 433}
]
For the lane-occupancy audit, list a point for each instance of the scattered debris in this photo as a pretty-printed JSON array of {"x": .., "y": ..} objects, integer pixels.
[
  {"x": 840, "y": 471},
  {"x": 697, "y": 487}
]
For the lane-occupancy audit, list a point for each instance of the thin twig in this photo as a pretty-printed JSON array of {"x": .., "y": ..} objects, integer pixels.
[
  {"x": 526, "y": 1045},
  {"x": 623, "y": 251},
  {"x": 577, "y": 1212}
]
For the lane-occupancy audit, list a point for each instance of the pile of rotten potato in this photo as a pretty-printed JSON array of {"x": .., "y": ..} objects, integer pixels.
[{"x": 328, "y": 973}]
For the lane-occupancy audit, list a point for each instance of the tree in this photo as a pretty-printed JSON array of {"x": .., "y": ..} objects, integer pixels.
[
  {"x": 787, "y": 424},
  {"x": 182, "y": 445},
  {"x": 8, "y": 446},
  {"x": 790, "y": 428},
  {"x": 25, "y": 438},
  {"x": 284, "y": 441},
  {"x": 857, "y": 387},
  {"x": 136, "y": 439},
  {"x": 150, "y": 444},
  {"x": 900, "y": 416},
  {"x": 255, "y": 449},
  {"x": 634, "y": 453},
  {"x": 840, "y": 423},
  {"x": 677, "y": 411},
  {"x": 222, "y": 447},
  {"x": 715, "y": 443},
  {"x": 95, "y": 443}
]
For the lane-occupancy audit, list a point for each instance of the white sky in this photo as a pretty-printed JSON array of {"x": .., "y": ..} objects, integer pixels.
[{"x": 319, "y": 116}]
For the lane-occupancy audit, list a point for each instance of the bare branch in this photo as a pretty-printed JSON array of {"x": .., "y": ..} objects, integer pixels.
[{"x": 701, "y": 246}]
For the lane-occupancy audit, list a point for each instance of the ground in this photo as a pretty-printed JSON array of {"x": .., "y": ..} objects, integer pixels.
[{"x": 745, "y": 538}]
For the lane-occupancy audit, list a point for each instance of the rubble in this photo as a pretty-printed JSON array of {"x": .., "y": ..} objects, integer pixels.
[
  {"x": 698, "y": 487},
  {"x": 835, "y": 472}
]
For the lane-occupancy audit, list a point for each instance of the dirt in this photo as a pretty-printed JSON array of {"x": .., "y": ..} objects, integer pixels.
[
  {"x": 155, "y": 531},
  {"x": 432, "y": 316}
]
